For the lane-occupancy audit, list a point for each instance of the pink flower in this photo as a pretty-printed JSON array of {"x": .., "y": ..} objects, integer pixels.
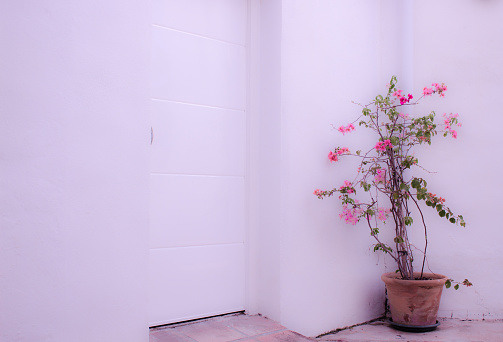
[
  {"x": 404, "y": 99},
  {"x": 342, "y": 150},
  {"x": 351, "y": 215},
  {"x": 382, "y": 145},
  {"x": 380, "y": 176},
  {"x": 449, "y": 121},
  {"x": 318, "y": 192},
  {"x": 348, "y": 187},
  {"x": 382, "y": 214},
  {"x": 332, "y": 156},
  {"x": 347, "y": 129},
  {"x": 440, "y": 89},
  {"x": 397, "y": 93},
  {"x": 427, "y": 91}
]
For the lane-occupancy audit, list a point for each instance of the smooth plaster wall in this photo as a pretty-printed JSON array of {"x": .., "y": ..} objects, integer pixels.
[
  {"x": 74, "y": 170},
  {"x": 265, "y": 159},
  {"x": 336, "y": 52},
  {"x": 332, "y": 53},
  {"x": 459, "y": 43}
]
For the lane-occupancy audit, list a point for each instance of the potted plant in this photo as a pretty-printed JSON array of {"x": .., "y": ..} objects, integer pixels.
[{"x": 391, "y": 191}]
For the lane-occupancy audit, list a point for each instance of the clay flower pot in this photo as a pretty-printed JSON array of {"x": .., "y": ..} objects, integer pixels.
[{"x": 414, "y": 302}]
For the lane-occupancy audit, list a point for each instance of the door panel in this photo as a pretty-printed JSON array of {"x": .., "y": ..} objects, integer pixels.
[
  {"x": 196, "y": 210},
  {"x": 194, "y": 282},
  {"x": 198, "y": 159},
  {"x": 192, "y": 139},
  {"x": 201, "y": 70},
  {"x": 218, "y": 19}
]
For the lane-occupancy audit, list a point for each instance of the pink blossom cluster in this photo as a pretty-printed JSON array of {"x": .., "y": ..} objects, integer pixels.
[
  {"x": 351, "y": 215},
  {"x": 318, "y": 192},
  {"x": 347, "y": 129},
  {"x": 404, "y": 116},
  {"x": 383, "y": 214},
  {"x": 449, "y": 121},
  {"x": 439, "y": 88},
  {"x": 433, "y": 198},
  {"x": 403, "y": 99},
  {"x": 333, "y": 156},
  {"x": 348, "y": 187},
  {"x": 380, "y": 176},
  {"x": 427, "y": 91},
  {"x": 382, "y": 145}
]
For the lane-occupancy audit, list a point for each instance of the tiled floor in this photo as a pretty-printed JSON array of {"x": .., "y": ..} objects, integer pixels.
[
  {"x": 244, "y": 328},
  {"x": 450, "y": 330},
  {"x": 238, "y": 327}
]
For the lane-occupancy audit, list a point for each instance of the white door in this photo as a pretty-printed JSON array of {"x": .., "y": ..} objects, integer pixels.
[{"x": 198, "y": 159}]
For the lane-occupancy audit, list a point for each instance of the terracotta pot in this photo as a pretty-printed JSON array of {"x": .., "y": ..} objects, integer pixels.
[{"x": 414, "y": 302}]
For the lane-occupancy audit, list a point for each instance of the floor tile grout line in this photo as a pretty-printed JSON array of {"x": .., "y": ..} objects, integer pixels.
[
  {"x": 241, "y": 332},
  {"x": 177, "y": 333},
  {"x": 261, "y": 335}
]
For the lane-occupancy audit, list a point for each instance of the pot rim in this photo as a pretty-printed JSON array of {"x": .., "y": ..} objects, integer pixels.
[{"x": 393, "y": 278}]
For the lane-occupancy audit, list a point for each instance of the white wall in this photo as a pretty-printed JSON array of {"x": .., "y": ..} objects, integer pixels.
[
  {"x": 74, "y": 170},
  {"x": 74, "y": 176},
  {"x": 264, "y": 167},
  {"x": 459, "y": 43},
  {"x": 314, "y": 273},
  {"x": 333, "y": 53}
]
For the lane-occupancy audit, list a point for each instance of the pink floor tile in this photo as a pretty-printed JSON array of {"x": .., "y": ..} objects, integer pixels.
[
  {"x": 252, "y": 325},
  {"x": 168, "y": 335},
  {"x": 284, "y": 336},
  {"x": 210, "y": 331}
]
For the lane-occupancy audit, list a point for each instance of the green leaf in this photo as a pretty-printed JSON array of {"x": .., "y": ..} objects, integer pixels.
[
  {"x": 452, "y": 220},
  {"x": 415, "y": 183},
  {"x": 398, "y": 239},
  {"x": 439, "y": 207},
  {"x": 447, "y": 283},
  {"x": 456, "y": 286},
  {"x": 408, "y": 220},
  {"x": 429, "y": 203},
  {"x": 441, "y": 213}
]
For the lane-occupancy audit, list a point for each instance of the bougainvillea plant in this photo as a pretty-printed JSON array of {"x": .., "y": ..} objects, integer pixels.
[{"x": 382, "y": 173}]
